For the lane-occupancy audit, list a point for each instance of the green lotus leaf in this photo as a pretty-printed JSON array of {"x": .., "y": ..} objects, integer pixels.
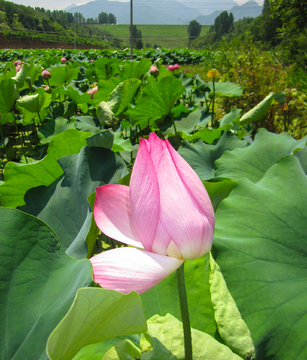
[
  {"x": 258, "y": 112},
  {"x": 123, "y": 95},
  {"x": 52, "y": 128},
  {"x": 157, "y": 100},
  {"x": 64, "y": 206},
  {"x": 62, "y": 75},
  {"x": 202, "y": 156},
  {"x": 135, "y": 69},
  {"x": 96, "y": 315},
  {"x": 19, "y": 178},
  {"x": 32, "y": 106},
  {"x": 165, "y": 334},
  {"x": 227, "y": 89},
  {"x": 38, "y": 284},
  {"x": 260, "y": 246},
  {"x": 252, "y": 162}
]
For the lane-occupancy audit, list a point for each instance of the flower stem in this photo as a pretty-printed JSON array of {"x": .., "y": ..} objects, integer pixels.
[{"x": 184, "y": 313}]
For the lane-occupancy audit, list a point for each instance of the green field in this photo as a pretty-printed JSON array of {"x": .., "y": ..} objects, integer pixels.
[{"x": 169, "y": 36}]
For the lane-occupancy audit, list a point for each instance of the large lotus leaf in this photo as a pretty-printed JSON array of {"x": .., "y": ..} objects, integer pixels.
[
  {"x": 165, "y": 335},
  {"x": 62, "y": 75},
  {"x": 33, "y": 105},
  {"x": 260, "y": 246},
  {"x": 202, "y": 156},
  {"x": 258, "y": 112},
  {"x": 38, "y": 284},
  {"x": 253, "y": 161},
  {"x": 19, "y": 178},
  {"x": 231, "y": 326},
  {"x": 122, "y": 95},
  {"x": 96, "y": 315},
  {"x": 227, "y": 88},
  {"x": 76, "y": 95},
  {"x": 64, "y": 206},
  {"x": 163, "y": 298},
  {"x": 157, "y": 100},
  {"x": 8, "y": 95},
  {"x": 135, "y": 69},
  {"x": 52, "y": 128},
  {"x": 186, "y": 124}
]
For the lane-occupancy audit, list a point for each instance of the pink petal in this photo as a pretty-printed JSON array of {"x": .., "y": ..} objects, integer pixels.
[
  {"x": 144, "y": 196},
  {"x": 112, "y": 213},
  {"x": 129, "y": 269},
  {"x": 193, "y": 183},
  {"x": 187, "y": 219}
]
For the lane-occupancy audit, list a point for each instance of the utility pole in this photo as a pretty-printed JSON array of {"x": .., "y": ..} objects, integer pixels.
[{"x": 131, "y": 30}]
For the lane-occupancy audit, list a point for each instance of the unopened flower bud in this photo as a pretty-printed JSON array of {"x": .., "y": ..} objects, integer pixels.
[
  {"x": 63, "y": 60},
  {"x": 154, "y": 71},
  {"x": 17, "y": 62},
  {"x": 46, "y": 75}
]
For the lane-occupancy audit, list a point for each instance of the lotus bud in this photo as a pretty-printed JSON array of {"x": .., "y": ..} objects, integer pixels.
[
  {"x": 154, "y": 71},
  {"x": 17, "y": 62},
  {"x": 171, "y": 67},
  {"x": 176, "y": 67},
  {"x": 63, "y": 60},
  {"x": 46, "y": 75},
  {"x": 18, "y": 68}
]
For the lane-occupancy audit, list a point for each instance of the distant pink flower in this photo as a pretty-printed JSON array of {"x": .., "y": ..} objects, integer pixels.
[
  {"x": 18, "y": 68},
  {"x": 63, "y": 60},
  {"x": 92, "y": 60},
  {"x": 166, "y": 211},
  {"x": 173, "y": 67},
  {"x": 154, "y": 71},
  {"x": 46, "y": 74},
  {"x": 92, "y": 91},
  {"x": 17, "y": 62}
]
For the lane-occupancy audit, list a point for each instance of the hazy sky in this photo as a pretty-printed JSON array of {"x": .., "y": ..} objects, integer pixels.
[{"x": 62, "y": 4}]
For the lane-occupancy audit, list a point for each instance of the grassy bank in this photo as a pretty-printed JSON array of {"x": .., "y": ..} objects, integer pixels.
[{"x": 168, "y": 36}]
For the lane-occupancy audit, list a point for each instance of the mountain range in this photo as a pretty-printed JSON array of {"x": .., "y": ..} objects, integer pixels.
[{"x": 168, "y": 12}]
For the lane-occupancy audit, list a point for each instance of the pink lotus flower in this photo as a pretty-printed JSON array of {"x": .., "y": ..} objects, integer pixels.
[
  {"x": 18, "y": 68},
  {"x": 173, "y": 67},
  {"x": 154, "y": 71},
  {"x": 16, "y": 63},
  {"x": 63, "y": 60},
  {"x": 166, "y": 211},
  {"x": 46, "y": 74},
  {"x": 92, "y": 60}
]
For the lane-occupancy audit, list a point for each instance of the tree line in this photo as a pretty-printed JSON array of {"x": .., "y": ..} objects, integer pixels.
[{"x": 38, "y": 18}]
